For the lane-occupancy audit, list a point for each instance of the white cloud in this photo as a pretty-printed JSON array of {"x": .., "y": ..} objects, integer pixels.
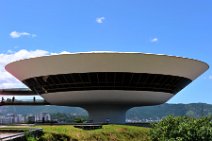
[
  {"x": 9, "y": 81},
  {"x": 15, "y": 34},
  {"x": 100, "y": 20},
  {"x": 210, "y": 77},
  {"x": 154, "y": 40},
  {"x": 6, "y": 79},
  {"x": 64, "y": 52}
]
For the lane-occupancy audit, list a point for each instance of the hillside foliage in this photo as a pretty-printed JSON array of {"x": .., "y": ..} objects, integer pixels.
[
  {"x": 147, "y": 112},
  {"x": 182, "y": 129},
  {"x": 107, "y": 133}
]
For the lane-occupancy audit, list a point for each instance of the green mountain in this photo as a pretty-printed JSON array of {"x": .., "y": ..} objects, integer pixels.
[
  {"x": 24, "y": 110},
  {"x": 160, "y": 111},
  {"x": 146, "y": 112}
]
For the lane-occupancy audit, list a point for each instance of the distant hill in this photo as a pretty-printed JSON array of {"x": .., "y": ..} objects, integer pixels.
[
  {"x": 146, "y": 112},
  {"x": 160, "y": 111},
  {"x": 24, "y": 110}
]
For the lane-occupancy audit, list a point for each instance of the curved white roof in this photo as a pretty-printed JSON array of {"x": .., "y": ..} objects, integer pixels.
[{"x": 107, "y": 62}]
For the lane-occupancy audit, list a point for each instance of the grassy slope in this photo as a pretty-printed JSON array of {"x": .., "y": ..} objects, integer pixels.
[{"x": 107, "y": 133}]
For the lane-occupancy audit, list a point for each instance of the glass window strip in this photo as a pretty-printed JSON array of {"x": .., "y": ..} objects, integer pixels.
[{"x": 75, "y": 81}]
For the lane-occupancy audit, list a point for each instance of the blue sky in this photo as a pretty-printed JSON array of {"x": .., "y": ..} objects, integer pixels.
[{"x": 180, "y": 28}]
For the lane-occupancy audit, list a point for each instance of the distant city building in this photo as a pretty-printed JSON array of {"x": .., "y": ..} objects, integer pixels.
[
  {"x": 42, "y": 117},
  {"x": 11, "y": 118},
  {"x": 30, "y": 118},
  {"x": 20, "y": 119}
]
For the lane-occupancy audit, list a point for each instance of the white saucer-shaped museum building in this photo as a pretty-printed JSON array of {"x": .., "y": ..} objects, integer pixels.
[{"x": 107, "y": 84}]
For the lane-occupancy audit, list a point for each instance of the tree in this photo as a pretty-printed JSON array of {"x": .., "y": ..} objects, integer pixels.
[{"x": 182, "y": 129}]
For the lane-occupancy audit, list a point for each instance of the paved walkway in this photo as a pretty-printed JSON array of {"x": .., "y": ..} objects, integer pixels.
[{"x": 4, "y": 136}]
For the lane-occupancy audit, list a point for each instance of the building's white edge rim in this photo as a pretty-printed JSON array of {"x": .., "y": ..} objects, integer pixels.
[{"x": 111, "y": 52}]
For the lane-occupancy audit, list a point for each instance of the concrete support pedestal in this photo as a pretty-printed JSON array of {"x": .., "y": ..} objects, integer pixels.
[{"x": 107, "y": 114}]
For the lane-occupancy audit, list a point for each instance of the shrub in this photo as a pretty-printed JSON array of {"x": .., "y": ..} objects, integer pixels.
[
  {"x": 49, "y": 137},
  {"x": 182, "y": 129}
]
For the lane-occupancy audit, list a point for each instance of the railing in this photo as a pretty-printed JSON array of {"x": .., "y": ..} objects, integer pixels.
[
  {"x": 15, "y": 96},
  {"x": 23, "y": 102}
]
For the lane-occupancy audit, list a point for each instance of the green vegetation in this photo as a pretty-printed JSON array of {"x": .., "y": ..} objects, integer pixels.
[
  {"x": 15, "y": 128},
  {"x": 68, "y": 117},
  {"x": 107, "y": 133},
  {"x": 169, "y": 129},
  {"x": 182, "y": 129},
  {"x": 69, "y": 114},
  {"x": 196, "y": 110}
]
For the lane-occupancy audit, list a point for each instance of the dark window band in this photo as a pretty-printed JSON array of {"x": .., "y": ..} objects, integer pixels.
[{"x": 107, "y": 81}]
